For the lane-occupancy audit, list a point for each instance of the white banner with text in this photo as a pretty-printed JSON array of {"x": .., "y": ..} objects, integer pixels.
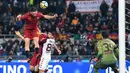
[{"x": 89, "y": 6}]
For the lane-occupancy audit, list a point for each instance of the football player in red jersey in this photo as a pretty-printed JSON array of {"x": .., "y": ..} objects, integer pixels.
[
  {"x": 35, "y": 59},
  {"x": 31, "y": 29}
]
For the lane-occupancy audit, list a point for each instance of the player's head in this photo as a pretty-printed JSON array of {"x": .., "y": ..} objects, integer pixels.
[
  {"x": 33, "y": 11},
  {"x": 42, "y": 37},
  {"x": 50, "y": 35},
  {"x": 105, "y": 34}
]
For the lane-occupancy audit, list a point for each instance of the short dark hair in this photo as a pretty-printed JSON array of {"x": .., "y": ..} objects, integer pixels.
[
  {"x": 105, "y": 34},
  {"x": 32, "y": 9}
]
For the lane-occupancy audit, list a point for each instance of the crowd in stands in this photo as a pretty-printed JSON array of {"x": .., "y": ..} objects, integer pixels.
[
  {"x": 75, "y": 32},
  {"x": 127, "y": 11}
]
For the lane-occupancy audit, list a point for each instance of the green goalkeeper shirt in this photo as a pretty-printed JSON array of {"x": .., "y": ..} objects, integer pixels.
[{"x": 107, "y": 51}]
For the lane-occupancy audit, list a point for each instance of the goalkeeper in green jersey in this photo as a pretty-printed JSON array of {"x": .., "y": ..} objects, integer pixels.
[{"x": 107, "y": 55}]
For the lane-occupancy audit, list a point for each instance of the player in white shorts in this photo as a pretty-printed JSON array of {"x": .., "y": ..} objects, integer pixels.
[{"x": 46, "y": 53}]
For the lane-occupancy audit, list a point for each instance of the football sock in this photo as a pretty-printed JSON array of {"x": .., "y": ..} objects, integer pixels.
[
  {"x": 33, "y": 71},
  {"x": 36, "y": 71},
  {"x": 37, "y": 50},
  {"x": 27, "y": 53}
]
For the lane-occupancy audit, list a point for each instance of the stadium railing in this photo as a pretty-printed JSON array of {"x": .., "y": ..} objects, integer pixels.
[{"x": 54, "y": 57}]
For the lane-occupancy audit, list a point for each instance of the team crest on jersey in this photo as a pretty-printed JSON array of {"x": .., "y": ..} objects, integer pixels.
[{"x": 37, "y": 17}]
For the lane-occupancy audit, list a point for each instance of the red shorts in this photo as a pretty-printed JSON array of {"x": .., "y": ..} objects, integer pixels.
[
  {"x": 35, "y": 61},
  {"x": 31, "y": 33}
]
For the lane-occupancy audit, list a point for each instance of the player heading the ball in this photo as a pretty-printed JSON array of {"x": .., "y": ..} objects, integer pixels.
[{"x": 31, "y": 30}]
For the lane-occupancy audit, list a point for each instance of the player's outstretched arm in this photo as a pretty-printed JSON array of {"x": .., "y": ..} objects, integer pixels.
[
  {"x": 50, "y": 17},
  {"x": 22, "y": 17},
  {"x": 57, "y": 49},
  {"x": 19, "y": 34}
]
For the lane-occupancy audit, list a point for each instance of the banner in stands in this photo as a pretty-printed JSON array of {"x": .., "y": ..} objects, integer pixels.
[
  {"x": 89, "y": 5},
  {"x": 56, "y": 67}
]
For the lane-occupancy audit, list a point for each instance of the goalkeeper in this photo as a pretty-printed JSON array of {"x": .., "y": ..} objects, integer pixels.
[{"x": 107, "y": 55}]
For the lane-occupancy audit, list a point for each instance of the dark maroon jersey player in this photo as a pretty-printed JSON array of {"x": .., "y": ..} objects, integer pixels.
[{"x": 34, "y": 63}]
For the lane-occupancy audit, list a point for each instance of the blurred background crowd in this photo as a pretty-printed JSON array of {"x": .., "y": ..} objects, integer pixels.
[
  {"x": 127, "y": 16},
  {"x": 75, "y": 32}
]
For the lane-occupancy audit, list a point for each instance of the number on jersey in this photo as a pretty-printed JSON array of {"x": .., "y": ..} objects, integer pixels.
[{"x": 49, "y": 46}]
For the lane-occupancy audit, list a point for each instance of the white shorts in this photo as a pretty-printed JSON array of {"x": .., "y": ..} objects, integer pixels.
[{"x": 44, "y": 62}]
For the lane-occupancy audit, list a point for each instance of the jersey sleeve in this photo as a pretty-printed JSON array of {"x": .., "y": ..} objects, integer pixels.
[
  {"x": 53, "y": 43},
  {"x": 24, "y": 17},
  {"x": 113, "y": 44},
  {"x": 100, "y": 51},
  {"x": 40, "y": 15},
  {"x": 116, "y": 50},
  {"x": 43, "y": 38}
]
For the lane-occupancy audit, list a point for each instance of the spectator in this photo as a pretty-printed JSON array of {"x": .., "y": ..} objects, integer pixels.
[
  {"x": 3, "y": 6},
  {"x": 71, "y": 7},
  {"x": 79, "y": 59},
  {"x": 61, "y": 23},
  {"x": 1, "y": 50},
  {"x": 98, "y": 36},
  {"x": 70, "y": 51},
  {"x": 85, "y": 51},
  {"x": 22, "y": 50},
  {"x": 115, "y": 9},
  {"x": 104, "y": 9},
  {"x": 63, "y": 36},
  {"x": 80, "y": 50},
  {"x": 60, "y": 8},
  {"x": 104, "y": 26},
  {"x": 96, "y": 16},
  {"x": 52, "y": 7},
  {"x": 83, "y": 36},
  {"x": 4, "y": 53},
  {"x": 89, "y": 28},
  {"x": 68, "y": 59},
  {"x": 76, "y": 36},
  {"x": 9, "y": 59},
  {"x": 75, "y": 21}
]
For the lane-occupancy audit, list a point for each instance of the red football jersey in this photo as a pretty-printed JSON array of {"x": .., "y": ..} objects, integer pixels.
[{"x": 32, "y": 22}]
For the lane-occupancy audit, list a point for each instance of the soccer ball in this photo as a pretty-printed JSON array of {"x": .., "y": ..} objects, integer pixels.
[{"x": 43, "y": 4}]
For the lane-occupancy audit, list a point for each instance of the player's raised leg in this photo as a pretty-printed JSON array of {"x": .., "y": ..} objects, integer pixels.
[
  {"x": 34, "y": 63},
  {"x": 36, "y": 43},
  {"x": 27, "y": 49},
  {"x": 35, "y": 36}
]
